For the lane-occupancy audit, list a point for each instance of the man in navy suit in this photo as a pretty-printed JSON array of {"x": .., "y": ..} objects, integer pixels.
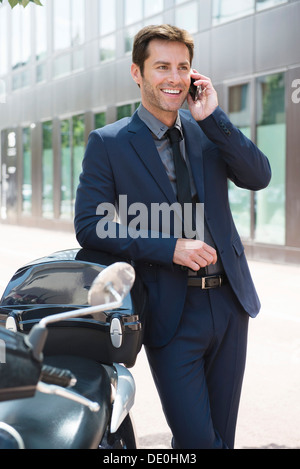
[{"x": 200, "y": 290}]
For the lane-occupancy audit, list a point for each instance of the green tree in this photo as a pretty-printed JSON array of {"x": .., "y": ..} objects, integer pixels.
[{"x": 24, "y": 3}]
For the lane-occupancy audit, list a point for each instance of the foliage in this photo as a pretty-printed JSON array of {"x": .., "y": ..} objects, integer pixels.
[{"x": 24, "y": 3}]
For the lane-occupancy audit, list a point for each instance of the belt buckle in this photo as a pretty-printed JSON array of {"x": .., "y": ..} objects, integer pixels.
[{"x": 204, "y": 287}]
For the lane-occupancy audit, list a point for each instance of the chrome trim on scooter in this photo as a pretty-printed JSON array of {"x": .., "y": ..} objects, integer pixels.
[
  {"x": 67, "y": 394},
  {"x": 13, "y": 433},
  {"x": 124, "y": 397}
]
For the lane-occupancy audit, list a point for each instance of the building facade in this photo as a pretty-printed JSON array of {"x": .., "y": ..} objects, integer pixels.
[{"x": 65, "y": 70}]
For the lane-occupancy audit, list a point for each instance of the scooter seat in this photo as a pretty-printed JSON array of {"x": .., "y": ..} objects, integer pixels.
[{"x": 48, "y": 421}]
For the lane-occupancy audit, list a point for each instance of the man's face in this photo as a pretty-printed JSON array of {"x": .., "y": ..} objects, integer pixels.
[{"x": 166, "y": 79}]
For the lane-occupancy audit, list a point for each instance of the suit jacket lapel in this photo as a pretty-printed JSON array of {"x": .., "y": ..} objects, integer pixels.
[{"x": 144, "y": 146}]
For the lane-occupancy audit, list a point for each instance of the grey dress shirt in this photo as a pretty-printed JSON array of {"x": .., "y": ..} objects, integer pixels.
[{"x": 162, "y": 143}]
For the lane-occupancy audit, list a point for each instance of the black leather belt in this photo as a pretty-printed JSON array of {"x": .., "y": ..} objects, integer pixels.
[{"x": 211, "y": 281}]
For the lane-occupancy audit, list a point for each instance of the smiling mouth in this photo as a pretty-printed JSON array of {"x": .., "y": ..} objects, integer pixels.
[{"x": 172, "y": 92}]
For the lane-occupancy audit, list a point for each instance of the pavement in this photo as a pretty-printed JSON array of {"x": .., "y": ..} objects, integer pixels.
[{"x": 269, "y": 416}]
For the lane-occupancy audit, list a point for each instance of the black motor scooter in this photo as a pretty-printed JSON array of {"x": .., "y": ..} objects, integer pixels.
[{"x": 71, "y": 328}]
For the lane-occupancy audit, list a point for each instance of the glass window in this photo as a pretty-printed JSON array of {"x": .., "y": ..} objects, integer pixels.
[
  {"x": 16, "y": 54},
  {"x": 133, "y": 11},
  {"x": 271, "y": 139},
  {"x": 26, "y": 33},
  {"x": 68, "y": 23},
  {"x": 21, "y": 79},
  {"x": 152, "y": 7},
  {"x": 68, "y": 31},
  {"x": 157, "y": 19},
  {"x": 62, "y": 65},
  {"x": 3, "y": 40},
  {"x": 240, "y": 115},
  {"x": 78, "y": 60},
  {"x": 66, "y": 170},
  {"x": 78, "y": 145},
  {"x": 47, "y": 168},
  {"x": 21, "y": 31},
  {"x": 186, "y": 17},
  {"x": 41, "y": 73},
  {"x": 27, "y": 180},
  {"x": 16, "y": 81},
  {"x": 129, "y": 36},
  {"x": 72, "y": 150},
  {"x": 2, "y": 92},
  {"x": 124, "y": 111},
  {"x": 41, "y": 32},
  {"x": 107, "y": 16},
  {"x": 25, "y": 78},
  {"x": 8, "y": 195},
  {"x": 227, "y": 10},
  {"x": 77, "y": 22},
  {"x": 41, "y": 43},
  {"x": 66, "y": 63},
  {"x": 263, "y": 4},
  {"x": 62, "y": 24},
  {"x": 108, "y": 48},
  {"x": 100, "y": 120}
]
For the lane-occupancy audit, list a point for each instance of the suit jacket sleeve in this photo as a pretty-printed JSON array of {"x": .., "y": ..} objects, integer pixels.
[{"x": 247, "y": 166}]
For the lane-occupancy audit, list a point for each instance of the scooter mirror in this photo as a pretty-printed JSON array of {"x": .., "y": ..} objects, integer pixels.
[{"x": 114, "y": 282}]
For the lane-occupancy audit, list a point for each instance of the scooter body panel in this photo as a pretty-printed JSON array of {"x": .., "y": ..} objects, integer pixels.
[
  {"x": 53, "y": 422},
  {"x": 90, "y": 346}
]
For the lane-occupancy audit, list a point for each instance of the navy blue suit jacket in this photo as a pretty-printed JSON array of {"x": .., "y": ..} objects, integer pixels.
[{"x": 121, "y": 158}]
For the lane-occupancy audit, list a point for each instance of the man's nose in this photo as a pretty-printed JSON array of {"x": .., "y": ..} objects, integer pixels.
[{"x": 174, "y": 76}]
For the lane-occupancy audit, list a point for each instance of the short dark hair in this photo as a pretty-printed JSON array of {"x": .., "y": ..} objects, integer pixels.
[{"x": 165, "y": 32}]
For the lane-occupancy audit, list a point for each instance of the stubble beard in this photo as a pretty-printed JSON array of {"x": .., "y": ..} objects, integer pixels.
[{"x": 156, "y": 101}]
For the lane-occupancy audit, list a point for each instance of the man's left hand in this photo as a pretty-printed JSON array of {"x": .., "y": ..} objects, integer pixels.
[{"x": 207, "y": 100}]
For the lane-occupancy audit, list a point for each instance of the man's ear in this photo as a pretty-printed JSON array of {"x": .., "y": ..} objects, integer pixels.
[{"x": 136, "y": 73}]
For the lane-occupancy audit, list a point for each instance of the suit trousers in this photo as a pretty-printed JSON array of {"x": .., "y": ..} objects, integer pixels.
[{"x": 199, "y": 373}]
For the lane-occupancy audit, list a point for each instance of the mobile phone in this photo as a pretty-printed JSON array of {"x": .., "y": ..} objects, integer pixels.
[{"x": 194, "y": 90}]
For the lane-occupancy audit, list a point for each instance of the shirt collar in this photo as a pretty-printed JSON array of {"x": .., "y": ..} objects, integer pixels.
[{"x": 155, "y": 125}]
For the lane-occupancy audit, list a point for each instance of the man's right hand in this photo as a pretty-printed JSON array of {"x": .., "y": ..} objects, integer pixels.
[{"x": 194, "y": 254}]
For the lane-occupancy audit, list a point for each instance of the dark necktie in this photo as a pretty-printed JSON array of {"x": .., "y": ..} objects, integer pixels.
[
  {"x": 181, "y": 170},
  {"x": 184, "y": 192}
]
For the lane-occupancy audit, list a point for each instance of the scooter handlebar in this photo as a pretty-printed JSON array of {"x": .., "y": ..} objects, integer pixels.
[{"x": 57, "y": 376}]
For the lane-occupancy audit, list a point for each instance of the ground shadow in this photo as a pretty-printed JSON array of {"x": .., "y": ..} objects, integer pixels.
[
  {"x": 270, "y": 446},
  {"x": 155, "y": 441}
]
